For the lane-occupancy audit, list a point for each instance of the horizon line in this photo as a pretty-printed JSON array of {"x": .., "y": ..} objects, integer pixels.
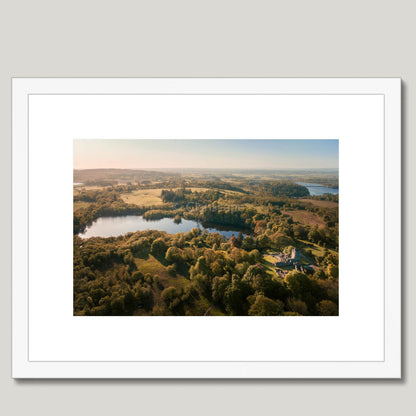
[{"x": 196, "y": 168}]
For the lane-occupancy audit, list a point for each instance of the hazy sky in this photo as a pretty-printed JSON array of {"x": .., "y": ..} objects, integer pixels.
[{"x": 214, "y": 154}]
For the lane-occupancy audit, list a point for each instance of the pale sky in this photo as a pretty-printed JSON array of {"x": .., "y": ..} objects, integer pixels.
[{"x": 205, "y": 154}]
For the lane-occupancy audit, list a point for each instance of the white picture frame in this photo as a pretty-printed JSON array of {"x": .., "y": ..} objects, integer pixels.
[{"x": 363, "y": 342}]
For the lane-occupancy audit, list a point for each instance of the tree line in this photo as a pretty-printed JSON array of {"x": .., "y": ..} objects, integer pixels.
[{"x": 225, "y": 274}]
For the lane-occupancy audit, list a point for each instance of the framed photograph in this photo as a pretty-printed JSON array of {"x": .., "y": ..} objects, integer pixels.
[{"x": 206, "y": 228}]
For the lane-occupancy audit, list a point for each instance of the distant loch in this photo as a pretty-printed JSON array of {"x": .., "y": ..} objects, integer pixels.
[{"x": 317, "y": 189}]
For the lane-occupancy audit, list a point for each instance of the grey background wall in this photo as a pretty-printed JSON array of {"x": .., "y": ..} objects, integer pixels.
[{"x": 216, "y": 38}]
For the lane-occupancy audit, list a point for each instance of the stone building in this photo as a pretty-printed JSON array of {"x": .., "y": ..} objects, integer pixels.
[{"x": 292, "y": 259}]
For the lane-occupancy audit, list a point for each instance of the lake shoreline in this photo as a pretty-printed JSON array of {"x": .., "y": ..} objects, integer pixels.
[
  {"x": 316, "y": 189},
  {"x": 115, "y": 226}
]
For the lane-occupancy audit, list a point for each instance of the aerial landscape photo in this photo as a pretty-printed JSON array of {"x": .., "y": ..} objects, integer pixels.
[{"x": 205, "y": 227}]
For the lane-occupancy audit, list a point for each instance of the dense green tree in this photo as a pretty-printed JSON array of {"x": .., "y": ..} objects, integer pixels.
[
  {"x": 298, "y": 283},
  {"x": 298, "y": 306},
  {"x": 234, "y": 241},
  {"x": 263, "y": 241},
  {"x": 159, "y": 247},
  {"x": 248, "y": 243},
  {"x": 327, "y": 308},
  {"x": 144, "y": 297},
  {"x": 219, "y": 287},
  {"x": 235, "y": 297},
  {"x": 174, "y": 255},
  {"x": 332, "y": 271},
  {"x": 264, "y": 306}
]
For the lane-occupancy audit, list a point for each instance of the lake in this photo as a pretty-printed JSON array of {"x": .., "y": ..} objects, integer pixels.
[
  {"x": 115, "y": 226},
  {"x": 316, "y": 189}
]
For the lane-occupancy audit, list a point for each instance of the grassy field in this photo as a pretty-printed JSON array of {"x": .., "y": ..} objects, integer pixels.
[
  {"x": 149, "y": 197},
  {"x": 268, "y": 263},
  {"x": 305, "y": 217},
  {"x": 155, "y": 267},
  {"x": 316, "y": 250},
  {"x": 324, "y": 204},
  {"x": 143, "y": 197}
]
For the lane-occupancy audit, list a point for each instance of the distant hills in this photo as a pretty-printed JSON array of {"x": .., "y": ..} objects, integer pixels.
[{"x": 94, "y": 175}]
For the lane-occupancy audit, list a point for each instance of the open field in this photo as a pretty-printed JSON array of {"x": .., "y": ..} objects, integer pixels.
[
  {"x": 156, "y": 268},
  {"x": 149, "y": 197},
  {"x": 305, "y": 217},
  {"x": 324, "y": 204},
  {"x": 143, "y": 197},
  {"x": 316, "y": 249},
  {"x": 268, "y": 263}
]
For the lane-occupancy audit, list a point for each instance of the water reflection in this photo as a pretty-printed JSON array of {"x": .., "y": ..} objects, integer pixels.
[
  {"x": 316, "y": 189},
  {"x": 114, "y": 226}
]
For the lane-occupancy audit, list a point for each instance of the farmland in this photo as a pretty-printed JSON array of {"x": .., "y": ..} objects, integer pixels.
[
  {"x": 143, "y": 197},
  {"x": 319, "y": 203},
  {"x": 305, "y": 217}
]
